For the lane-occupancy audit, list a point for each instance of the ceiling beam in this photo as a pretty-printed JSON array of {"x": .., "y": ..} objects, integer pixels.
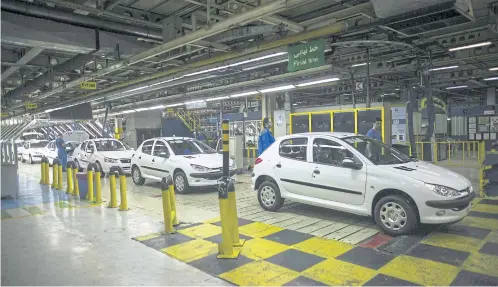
[{"x": 33, "y": 52}]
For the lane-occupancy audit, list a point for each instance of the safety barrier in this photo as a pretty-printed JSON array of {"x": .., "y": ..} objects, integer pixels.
[
  {"x": 55, "y": 174},
  {"x": 123, "y": 205},
  {"x": 45, "y": 173},
  {"x": 488, "y": 182},
  {"x": 228, "y": 208},
  {"x": 450, "y": 153},
  {"x": 169, "y": 205},
  {"x": 76, "y": 189},
  {"x": 70, "y": 178},
  {"x": 91, "y": 169}
]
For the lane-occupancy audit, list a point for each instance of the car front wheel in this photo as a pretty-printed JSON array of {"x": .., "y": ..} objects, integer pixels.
[
  {"x": 137, "y": 176},
  {"x": 181, "y": 183},
  {"x": 269, "y": 196},
  {"x": 396, "y": 215}
]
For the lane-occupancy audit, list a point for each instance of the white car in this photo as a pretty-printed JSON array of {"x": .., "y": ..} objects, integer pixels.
[
  {"x": 105, "y": 152},
  {"x": 190, "y": 162},
  {"x": 50, "y": 150},
  {"x": 359, "y": 175},
  {"x": 32, "y": 150}
]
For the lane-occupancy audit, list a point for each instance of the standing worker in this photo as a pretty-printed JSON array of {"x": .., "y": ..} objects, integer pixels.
[
  {"x": 61, "y": 151},
  {"x": 375, "y": 131},
  {"x": 265, "y": 138},
  {"x": 373, "y": 151}
]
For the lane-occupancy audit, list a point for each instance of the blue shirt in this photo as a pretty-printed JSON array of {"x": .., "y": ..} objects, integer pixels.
[
  {"x": 59, "y": 143},
  {"x": 375, "y": 134},
  {"x": 265, "y": 140}
]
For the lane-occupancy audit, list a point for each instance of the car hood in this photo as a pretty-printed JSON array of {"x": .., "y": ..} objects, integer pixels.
[
  {"x": 125, "y": 154},
  {"x": 430, "y": 173},
  {"x": 37, "y": 149},
  {"x": 214, "y": 160}
]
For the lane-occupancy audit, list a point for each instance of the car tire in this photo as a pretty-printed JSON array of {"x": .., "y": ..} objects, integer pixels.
[
  {"x": 22, "y": 159},
  {"x": 269, "y": 196},
  {"x": 136, "y": 175},
  {"x": 102, "y": 173},
  {"x": 181, "y": 183},
  {"x": 396, "y": 215},
  {"x": 31, "y": 160}
]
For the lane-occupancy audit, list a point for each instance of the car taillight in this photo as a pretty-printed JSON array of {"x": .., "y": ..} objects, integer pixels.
[{"x": 258, "y": 160}]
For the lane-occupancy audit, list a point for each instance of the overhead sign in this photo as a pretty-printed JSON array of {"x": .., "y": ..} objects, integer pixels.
[
  {"x": 438, "y": 103},
  {"x": 5, "y": 115},
  {"x": 196, "y": 105},
  {"x": 88, "y": 85},
  {"x": 305, "y": 56},
  {"x": 30, "y": 106}
]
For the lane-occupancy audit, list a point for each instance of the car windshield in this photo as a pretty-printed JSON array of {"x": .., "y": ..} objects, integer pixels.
[
  {"x": 189, "y": 146},
  {"x": 378, "y": 152},
  {"x": 72, "y": 145},
  {"x": 109, "y": 145},
  {"x": 28, "y": 137},
  {"x": 39, "y": 144}
]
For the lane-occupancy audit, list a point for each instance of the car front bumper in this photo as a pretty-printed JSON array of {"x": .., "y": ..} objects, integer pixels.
[
  {"x": 206, "y": 178},
  {"x": 446, "y": 211},
  {"x": 106, "y": 166}
]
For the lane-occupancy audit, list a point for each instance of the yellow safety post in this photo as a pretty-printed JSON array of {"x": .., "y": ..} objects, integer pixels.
[
  {"x": 168, "y": 214},
  {"x": 47, "y": 172},
  {"x": 172, "y": 197},
  {"x": 98, "y": 186},
  {"x": 59, "y": 173},
  {"x": 113, "y": 203},
  {"x": 76, "y": 191},
  {"x": 69, "y": 171},
  {"x": 228, "y": 222},
  {"x": 43, "y": 175},
  {"x": 123, "y": 205},
  {"x": 89, "y": 176},
  {"x": 55, "y": 171},
  {"x": 435, "y": 152}
]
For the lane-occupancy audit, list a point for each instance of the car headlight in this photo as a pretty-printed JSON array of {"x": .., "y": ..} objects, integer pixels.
[
  {"x": 199, "y": 167},
  {"x": 443, "y": 190},
  {"x": 233, "y": 166},
  {"x": 111, "y": 160}
]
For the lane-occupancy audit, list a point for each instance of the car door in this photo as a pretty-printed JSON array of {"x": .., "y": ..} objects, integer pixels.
[
  {"x": 79, "y": 153},
  {"x": 160, "y": 159},
  {"x": 291, "y": 167},
  {"x": 330, "y": 179},
  {"x": 145, "y": 158},
  {"x": 90, "y": 152}
]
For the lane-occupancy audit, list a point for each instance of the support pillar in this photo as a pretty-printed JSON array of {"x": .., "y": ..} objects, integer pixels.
[
  {"x": 118, "y": 128},
  {"x": 491, "y": 96}
]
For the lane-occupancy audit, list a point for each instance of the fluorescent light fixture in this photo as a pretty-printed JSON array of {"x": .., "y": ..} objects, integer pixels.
[
  {"x": 470, "y": 46},
  {"x": 142, "y": 109},
  {"x": 194, "y": 102},
  {"x": 275, "y": 89},
  {"x": 397, "y": 89},
  {"x": 174, "y": 105},
  {"x": 389, "y": 94},
  {"x": 136, "y": 89},
  {"x": 318, "y": 82},
  {"x": 70, "y": 128},
  {"x": 157, "y": 107},
  {"x": 359, "y": 65},
  {"x": 258, "y": 59},
  {"x": 206, "y": 71},
  {"x": 457, "y": 87},
  {"x": 244, "y": 94},
  {"x": 443, "y": 68},
  {"x": 217, "y": 98},
  {"x": 493, "y": 69},
  {"x": 49, "y": 110},
  {"x": 128, "y": 112},
  {"x": 264, "y": 65},
  {"x": 167, "y": 81},
  {"x": 491, "y": 79}
]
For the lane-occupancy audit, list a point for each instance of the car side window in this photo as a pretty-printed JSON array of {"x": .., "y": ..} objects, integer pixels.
[
  {"x": 160, "y": 149},
  {"x": 295, "y": 148},
  {"x": 329, "y": 152},
  {"x": 83, "y": 146},
  {"x": 89, "y": 145},
  {"x": 147, "y": 147}
]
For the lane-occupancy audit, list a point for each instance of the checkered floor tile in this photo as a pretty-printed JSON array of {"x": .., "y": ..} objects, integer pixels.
[{"x": 461, "y": 254}]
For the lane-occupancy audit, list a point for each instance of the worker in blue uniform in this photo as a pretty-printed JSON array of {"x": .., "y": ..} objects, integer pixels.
[
  {"x": 265, "y": 138},
  {"x": 373, "y": 150},
  {"x": 61, "y": 151}
]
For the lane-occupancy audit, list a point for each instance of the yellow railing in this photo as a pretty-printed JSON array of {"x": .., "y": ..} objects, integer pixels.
[
  {"x": 191, "y": 121},
  {"x": 451, "y": 153}
]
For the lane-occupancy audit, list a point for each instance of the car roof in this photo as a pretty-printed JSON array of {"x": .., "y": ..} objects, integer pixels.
[
  {"x": 172, "y": 138},
  {"x": 339, "y": 135}
]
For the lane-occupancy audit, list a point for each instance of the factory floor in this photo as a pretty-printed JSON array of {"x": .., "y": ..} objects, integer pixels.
[{"x": 50, "y": 238}]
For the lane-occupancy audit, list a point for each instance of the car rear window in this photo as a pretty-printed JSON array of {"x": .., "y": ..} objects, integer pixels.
[{"x": 295, "y": 148}]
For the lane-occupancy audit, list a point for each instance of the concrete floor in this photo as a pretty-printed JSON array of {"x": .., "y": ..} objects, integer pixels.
[{"x": 83, "y": 245}]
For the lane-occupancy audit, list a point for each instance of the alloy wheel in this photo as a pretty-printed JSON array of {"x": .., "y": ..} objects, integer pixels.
[
  {"x": 268, "y": 196},
  {"x": 393, "y": 216}
]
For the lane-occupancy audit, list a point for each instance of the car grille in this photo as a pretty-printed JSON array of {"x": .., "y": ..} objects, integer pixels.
[{"x": 125, "y": 160}]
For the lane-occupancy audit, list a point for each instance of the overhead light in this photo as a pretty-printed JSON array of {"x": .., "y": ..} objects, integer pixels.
[
  {"x": 194, "y": 102},
  {"x": 493, "y": 69},
  {"x": 157, "y": 107},
  {"x": 265, "y": 65},
  {"x": 128, "y": 111},
  {"x": 470, "y": 46},
  {"x": 136, "y": 89},
  {"x": 359, "y": 65},
  {"x": 244, "y": 94},
  {"x": 491, "y": 79},
  {"x": 275, "y": 89},
  {"x": 206, "y": 71},
  {"x": 258, "y": 59},
  {"x": 142, "y": 109},
  {"x": 217, "y": 99},
  {"x": 174, "y": 105},
  {"x": 397, "y": 89},
  {"x": 318, "y": 82},
  {"x": 457, "y": 87},
  {"x": 167, "y": 81},
  {"x": 443, "y": 68}
]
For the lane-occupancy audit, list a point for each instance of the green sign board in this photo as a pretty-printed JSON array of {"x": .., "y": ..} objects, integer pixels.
[{"x": 305, "y": 56}]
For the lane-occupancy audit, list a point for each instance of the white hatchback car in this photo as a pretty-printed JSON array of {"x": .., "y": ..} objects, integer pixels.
[
  {"x": 105, "y": 152},
  {"x": 359, "y": 175},
  {"x": 190, "y": 162},
  {"x": 32, "y": 150},
  {"x": 50, "y": 150}
]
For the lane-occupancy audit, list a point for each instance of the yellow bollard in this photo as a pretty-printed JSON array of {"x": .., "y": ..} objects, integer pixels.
[
  {"x": 76, "y": 190},
  {"x": 42, "y": 180},
  {"x": 113, "y": 203},
  {"x": 55, "y": 171},
  {"x": 123, "y": 205},
  {"x": 47, "y": 173},
  {"x": 70, "y": 187},
  {"x": 234, "y": 220},
  {"x": 89, "y": 195},
  {"x": 98, "y": 191},
  {"x": 59, "y": 173},
  {"x": 172, "y": 197},
  {"x": 167, "y": 213}
]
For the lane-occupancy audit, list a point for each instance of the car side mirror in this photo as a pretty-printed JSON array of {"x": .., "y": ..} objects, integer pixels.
[
  {"x": 163, "y": 154},
  {"x": 349, "y": 163}
]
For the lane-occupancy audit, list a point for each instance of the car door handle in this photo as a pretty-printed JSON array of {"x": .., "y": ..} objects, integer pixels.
[
  {"x": 153, "y": 160},
  {"x": 316, "y": 171},
  {"x": 278, "y": 165},
  {"x": 140, "y": 157}
]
